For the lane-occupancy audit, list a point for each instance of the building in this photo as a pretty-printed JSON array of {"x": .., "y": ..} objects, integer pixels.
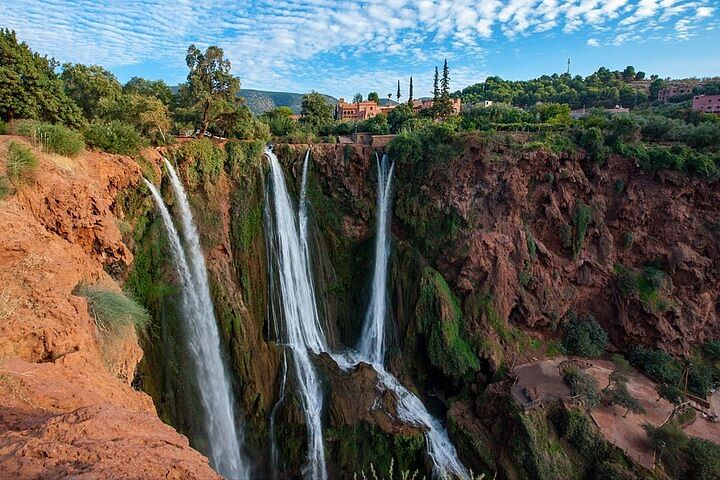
[
  {"x": 356, "y": 111},
  {"x": 706, "y": 103},
  {"x": 365, "y": 110},
  {"x": 674, "y": 90},
  {"x": 425, "y": 103}
]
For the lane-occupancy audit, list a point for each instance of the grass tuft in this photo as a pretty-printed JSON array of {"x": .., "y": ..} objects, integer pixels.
[
  {"x": 21, "y": 163},
  {"x": 112, "y": 310}
]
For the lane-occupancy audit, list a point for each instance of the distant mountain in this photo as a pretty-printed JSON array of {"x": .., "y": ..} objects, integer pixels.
[{"x": 259, "y": 101}]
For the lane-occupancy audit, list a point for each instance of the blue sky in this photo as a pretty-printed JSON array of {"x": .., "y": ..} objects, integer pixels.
[{"x": 342, "y": 47}]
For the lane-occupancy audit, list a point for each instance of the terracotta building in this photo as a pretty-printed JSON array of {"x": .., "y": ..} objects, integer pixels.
[
  {"x": 674, "y": 90},
  {"x": 706, "y": 103},
  {"x": 365, "y": 110}
]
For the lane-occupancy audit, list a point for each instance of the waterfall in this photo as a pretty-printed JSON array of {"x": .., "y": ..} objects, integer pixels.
[
  {"x": 224, "y": 440},
  {"x": 372, "y": 341},
  {"x": 301, "y": 331}
]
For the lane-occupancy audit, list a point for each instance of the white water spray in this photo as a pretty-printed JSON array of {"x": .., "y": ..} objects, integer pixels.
[
  {"x": 301, "y": 331},
  {"x": 224, "y": 440},
  {"x": 372, "y": 341}
]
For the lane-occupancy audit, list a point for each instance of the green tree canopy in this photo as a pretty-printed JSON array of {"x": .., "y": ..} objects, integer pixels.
[
  {"x": 315, "y": 110},
  {"x": 151, "y": 88},
  {"x": 373, "y": 97},
  {"x": 211, "y": 90},
  {"x": 91, "y": 87},
  {"x": 29, "y": 87},
  {"x": 585, "y": 337}
]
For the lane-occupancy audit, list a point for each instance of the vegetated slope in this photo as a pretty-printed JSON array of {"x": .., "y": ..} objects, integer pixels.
[
  {"x": 260, "y": 101},
  {"x": 66, "y": 404}
]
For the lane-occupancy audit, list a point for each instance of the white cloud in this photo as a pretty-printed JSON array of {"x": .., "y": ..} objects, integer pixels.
[{"x": 287, "y": 43}]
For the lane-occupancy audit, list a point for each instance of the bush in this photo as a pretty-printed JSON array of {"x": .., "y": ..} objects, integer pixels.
[
  {"x": 112, "y": 310},
  {"x": 703, "y": 460},
  {"x": 585, "y": 337},
  {"x": 114, "y": 137},
  {"x": 657, "y": 364},
  {"x": 5, "y": 187},
  {"x": 3, "y": 128},
  {"x": 21, "y": 163},
  {"x": 711, "y": 350},
  {"x": 583, "y": 386},
  {"x": 55, "y": 138},
  {"x": 202, "y": 161}
]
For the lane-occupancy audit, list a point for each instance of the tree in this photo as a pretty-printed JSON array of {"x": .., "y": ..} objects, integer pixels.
[
  {"x": 398, "y": 116},
  {"x": 211, "y": 90},
  {"x": 436, "y": 86},
  {"x": 629, "y": 73},
  {"x": 640, "y": 76},
  {"x": 150, "y": 88},
  {"x": 358, "y": 98},
  {"x": 373, "y": 97},
  {"x": 91, "y": 87},
  {"x": 585, "y": 337},
  {"x": 620, "y": 395},
  {"x": 315, "y": 110},
  {"x": 583, "y": 386},
  {"x": 147, "y": 114},
  {"x": 703, "y": 459},
  {"x": 669, "y": 442},
  {"x": 29, "y": 87},
  {"x": 443, "y": 107},
  {"x": 619, "y": 375},
  {"x": 410, "y": 91},
  {"x": 280, "y": 120},
  {"x": 397, "y": 96},
  {"x": 670, "y": 393}
]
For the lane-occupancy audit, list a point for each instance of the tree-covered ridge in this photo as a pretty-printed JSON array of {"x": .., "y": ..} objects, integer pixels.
[{"x": 604, "y": 88}]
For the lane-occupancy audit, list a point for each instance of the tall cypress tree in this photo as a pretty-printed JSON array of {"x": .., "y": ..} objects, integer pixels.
[
  {"x": 444, "y": 104},
  {"x": 436, "y": 86},
  {"x": 410, "y": 95},
  {"x": 398, "y": 92}
]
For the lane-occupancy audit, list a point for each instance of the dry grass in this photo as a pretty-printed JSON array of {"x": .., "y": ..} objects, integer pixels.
[{"x": 8, "y": 304}]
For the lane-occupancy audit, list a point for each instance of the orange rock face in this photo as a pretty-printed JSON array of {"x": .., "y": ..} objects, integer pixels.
[{"x": 66, "y": 404}]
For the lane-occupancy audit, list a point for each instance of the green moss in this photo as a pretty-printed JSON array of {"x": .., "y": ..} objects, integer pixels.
[
  {"x": 440, "y": 318},
  {"x": 200, "y": 161},
  {"x": 581, "y": 220},
  {"x": 646, "y": 286}
]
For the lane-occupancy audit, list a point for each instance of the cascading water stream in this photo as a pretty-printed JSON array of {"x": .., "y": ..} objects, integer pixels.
[
  {"x": 301, "y": 331},
  {"x": 224, "y": 439},
  {"x": 372, "y": 341}
]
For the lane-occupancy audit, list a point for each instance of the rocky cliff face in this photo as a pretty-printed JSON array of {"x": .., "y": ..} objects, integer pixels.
[{"x": 66, "y": 404}]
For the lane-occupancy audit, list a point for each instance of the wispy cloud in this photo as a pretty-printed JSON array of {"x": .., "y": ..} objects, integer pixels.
[{"x": 295, "y": 43}]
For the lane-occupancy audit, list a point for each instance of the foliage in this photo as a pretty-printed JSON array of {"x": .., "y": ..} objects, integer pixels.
[
  {"x": 581, "y": 220},
  {"x": 279, "y": 120},
  {"x": 5, "y": 187},
  {"x": 55, "y": 138},
  {"x": 149, "y": 88},
  {"x": 670, "y": 442},
  {"x": 603, "y": 88},
  {"x": 21, "y": 162},
  {"x": 441, "y": 319},
  {"x": 211, "y": 90},
  {"x": 583, "y": 386},
  {"x": 113, "y": 137},
  {"x": 703, "y": 460},
  {"x": 657, "y": 364},
  {"x": 671, "y": 393},
  {"x": 147, "y": 114},
  {"x": 619, "y": 375},
  {"x": 201, "y": 160},
  {"x": 238, "y": 122},
  {"x": 584, "y": 336},
  {"x": 620, "y": 395},
  {"x": 91, "y": 87},
  {"x": 112, "y": 310},
  {"x": 373, "y": 97},
  {"x": 316, "y": 111},
  {"x": 711, "y": 350},
  {"x": 29, "y": 87},
  {"x": 575, "y": 427},
  {"x": 646, "y": 286}
]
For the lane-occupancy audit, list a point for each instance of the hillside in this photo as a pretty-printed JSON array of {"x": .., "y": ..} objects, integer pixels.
[{"x": 260, "y": 101}]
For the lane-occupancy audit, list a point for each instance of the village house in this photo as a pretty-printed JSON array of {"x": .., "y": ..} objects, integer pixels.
[
  {"x": 706, "y": 103},
  {"x": 369, "y": 109},
  {"x": 674, "y": 91}
]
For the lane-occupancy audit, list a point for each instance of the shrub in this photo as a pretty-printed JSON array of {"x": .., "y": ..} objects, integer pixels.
[
  {"x": 5, "y": 187},
  {"x": 583, "y": 386},
  {"x": 3, "y": 128},
  {"x": 581, "y": 220},
  {"x": 114, "y": 137},
  {"x": 24, "y": 128},
  {"x": 711, "y": 350},
  {"x": 658, "y": 364},
  {"x": 585, "y": 337},
  {"x": 21, "y": 163},
  {"x": 61, "y": 139},
  {"x": 112, "y": 310},
  {"x": 703, "y": 460},
  {"x": 204, "y": 161}
]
